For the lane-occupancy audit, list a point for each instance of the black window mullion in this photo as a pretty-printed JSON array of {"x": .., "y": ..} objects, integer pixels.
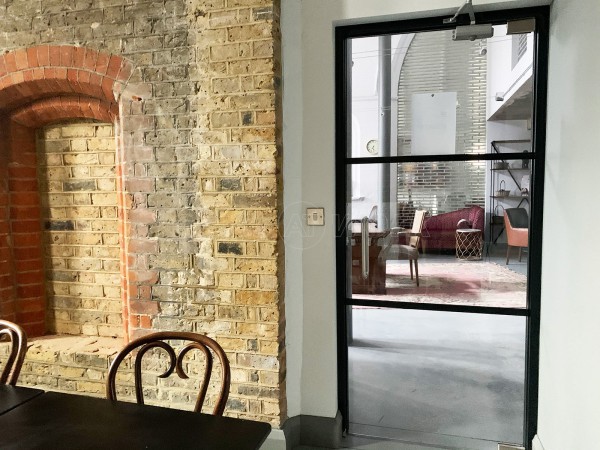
[{"x": 518, "y": 312}]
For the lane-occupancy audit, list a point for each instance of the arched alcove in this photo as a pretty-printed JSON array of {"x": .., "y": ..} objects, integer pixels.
[{"x": 40, "y": 86}]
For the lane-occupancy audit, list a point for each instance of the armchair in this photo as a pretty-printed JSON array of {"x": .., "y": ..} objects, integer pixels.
[{"x": 516, "y": 222}]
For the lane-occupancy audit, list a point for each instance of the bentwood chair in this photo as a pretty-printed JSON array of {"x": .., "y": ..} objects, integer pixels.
[
  {"x": 18, "y": 348},
  {"x": 516, "y": 222},
  {"x": 156, "y": 341},
  {"x": 395, "y": 250}
]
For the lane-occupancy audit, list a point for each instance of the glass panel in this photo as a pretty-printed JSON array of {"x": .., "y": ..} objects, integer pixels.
[
  {"x": 445, "y": 222},
  {"x": 427, "y": 94},
  {"x": 452, "y": 380}
]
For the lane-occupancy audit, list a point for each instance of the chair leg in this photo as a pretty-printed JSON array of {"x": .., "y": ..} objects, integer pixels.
[
  {"x": 520, "y": 250},
  {"x": 417, "y": 271},
  {"x": 411, "y": 271},
  {"x": 507, "y": 252}
]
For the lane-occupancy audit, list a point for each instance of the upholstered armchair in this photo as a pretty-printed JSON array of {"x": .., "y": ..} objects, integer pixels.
[{"x": 516, "y": 223}]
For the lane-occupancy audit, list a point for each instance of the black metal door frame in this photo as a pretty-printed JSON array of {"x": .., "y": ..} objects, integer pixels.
[{"x": 343, "y": 162}]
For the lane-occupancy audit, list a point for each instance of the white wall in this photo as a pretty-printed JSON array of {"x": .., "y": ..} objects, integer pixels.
[
  {"x": 365, "y": 123},
  {"x": 292, "y": 198},
  {"x": 309, "y": 155},
  {"x": 366, "y": 119},
  {"x": 502, "y": 77},
  {"x": 569, "y": 403}
]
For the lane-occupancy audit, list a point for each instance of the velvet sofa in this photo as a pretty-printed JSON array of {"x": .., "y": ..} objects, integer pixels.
[{"x": 439, "y": 232}]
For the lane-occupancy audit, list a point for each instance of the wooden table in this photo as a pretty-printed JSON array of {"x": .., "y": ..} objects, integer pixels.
[
  {"x": 13, "y": 396},
  {"x": 375, "y": 282},
  {"x": 53, "y": 421}
]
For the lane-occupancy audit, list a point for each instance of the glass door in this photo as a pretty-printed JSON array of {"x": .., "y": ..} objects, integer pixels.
[{"x": 439, "y": 193}]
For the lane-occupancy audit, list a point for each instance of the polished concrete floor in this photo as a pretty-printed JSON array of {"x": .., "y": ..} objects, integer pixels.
[
  {"x": 447, "y": 380},
  {"x": 424, "y": 380}
]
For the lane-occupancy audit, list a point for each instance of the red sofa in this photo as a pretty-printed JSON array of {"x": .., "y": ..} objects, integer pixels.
[{"x": 439, "y": 232}]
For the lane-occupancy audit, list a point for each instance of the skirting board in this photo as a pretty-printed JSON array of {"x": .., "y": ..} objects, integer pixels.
[
  {"x": 537, "y": 443},
  {"x": 277, "y": 438},
  {"x": 313, "y": 431}
]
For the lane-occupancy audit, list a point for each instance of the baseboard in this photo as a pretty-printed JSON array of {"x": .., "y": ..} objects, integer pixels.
[
  {"x": 275, "y": 441},
  {"x": 313, "y": 431},
  {"x": 319, "y": 432},
  {"x": 536, "y": 444}
]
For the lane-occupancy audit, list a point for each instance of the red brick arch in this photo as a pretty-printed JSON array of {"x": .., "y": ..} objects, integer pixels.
[
  {"x": 45, "y": 71},
  {"x": 58, "y": 109},
  {"x": 41, "y": 85}
]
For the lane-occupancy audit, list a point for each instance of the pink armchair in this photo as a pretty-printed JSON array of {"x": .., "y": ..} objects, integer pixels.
[{"x": 439, "y": 232}]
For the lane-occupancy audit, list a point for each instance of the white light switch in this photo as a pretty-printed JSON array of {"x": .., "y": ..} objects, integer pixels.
[{"x": 315, "y": 216}]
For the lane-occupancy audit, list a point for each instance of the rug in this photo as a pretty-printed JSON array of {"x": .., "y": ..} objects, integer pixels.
[{"x": 473, "y": 283}]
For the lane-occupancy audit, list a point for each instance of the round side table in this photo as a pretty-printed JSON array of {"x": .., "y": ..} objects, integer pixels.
[{"x": 469, "y": 244}]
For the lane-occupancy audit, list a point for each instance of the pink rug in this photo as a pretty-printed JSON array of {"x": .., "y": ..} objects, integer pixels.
[{"x": 476, "y": 283}]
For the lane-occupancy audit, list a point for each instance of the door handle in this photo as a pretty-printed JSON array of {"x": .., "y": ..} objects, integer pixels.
[{"x": 364, "y": 231}]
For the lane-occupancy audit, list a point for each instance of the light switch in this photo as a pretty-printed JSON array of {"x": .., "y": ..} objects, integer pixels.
[{"x": 315, "y": 216}]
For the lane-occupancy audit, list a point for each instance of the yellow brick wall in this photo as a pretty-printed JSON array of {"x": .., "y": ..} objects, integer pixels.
[
  {"x": 200, "y": 128},
  {"x": 76, "y": 173}
]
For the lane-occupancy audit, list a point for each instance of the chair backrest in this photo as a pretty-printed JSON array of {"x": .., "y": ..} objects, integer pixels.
[
  {"x": 18, "y": 348},
  {"x": 517, "y": 217},
  {"x": 156, "y": 340},
  {"x": 417, "y": 227},
  {"x": 373, "y": 215}
]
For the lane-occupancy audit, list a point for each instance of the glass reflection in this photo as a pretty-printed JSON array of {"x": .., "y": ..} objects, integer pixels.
[{"x": 447, "y": 233}]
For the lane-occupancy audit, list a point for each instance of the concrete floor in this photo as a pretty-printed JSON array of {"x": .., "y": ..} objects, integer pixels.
[
  {"x": 422, "y": 380},
  {"x": 447, "y": 380}
]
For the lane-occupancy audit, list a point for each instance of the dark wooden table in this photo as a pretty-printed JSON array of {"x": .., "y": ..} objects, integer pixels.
[
  {"x": 53, "y": 421},
  {"x": 375, "y": 282},
  {"x": 13, "y": 396}
]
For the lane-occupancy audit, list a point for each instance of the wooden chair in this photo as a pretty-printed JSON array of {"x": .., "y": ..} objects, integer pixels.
[
  {"x": 394, "y": 250},
  {"x": 156, "y": 340},
  {"x": 18, "y": 348},
  {"x": 516, "y": 222}
]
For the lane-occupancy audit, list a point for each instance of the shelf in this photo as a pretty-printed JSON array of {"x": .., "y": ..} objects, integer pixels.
[
  {"x": 507, "y": 179},
  {"x": 511, "y": 170},
  {"x": 512, "y": 141},
  {"x": 511, "y": 197}
]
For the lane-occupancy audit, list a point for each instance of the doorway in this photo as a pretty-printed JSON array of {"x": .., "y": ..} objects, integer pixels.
[{"x": 440, "y": 156}]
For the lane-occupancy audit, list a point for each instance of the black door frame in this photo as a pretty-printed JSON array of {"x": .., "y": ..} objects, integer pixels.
[{"x": 342, "y": 109}]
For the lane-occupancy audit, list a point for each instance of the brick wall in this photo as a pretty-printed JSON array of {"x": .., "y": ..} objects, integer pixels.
[
  {"x": 25, "y": 268},
  {"x": 7, "y": 284},
  {"x": 77, "y": 182},
  {"x": 197, "y": 164},
  {"x": 80, "y": 364},
  {"x": 436, "y": 63}
]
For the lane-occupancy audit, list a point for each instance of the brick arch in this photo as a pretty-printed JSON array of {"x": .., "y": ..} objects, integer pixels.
[
  {"x": 57, "y": 109},
  {"x": 45, "y": 71},
  {"x": 40, "y": 85}
]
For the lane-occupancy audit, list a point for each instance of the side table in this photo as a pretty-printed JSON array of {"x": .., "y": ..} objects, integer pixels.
[{"x": 469, "y": 244}]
